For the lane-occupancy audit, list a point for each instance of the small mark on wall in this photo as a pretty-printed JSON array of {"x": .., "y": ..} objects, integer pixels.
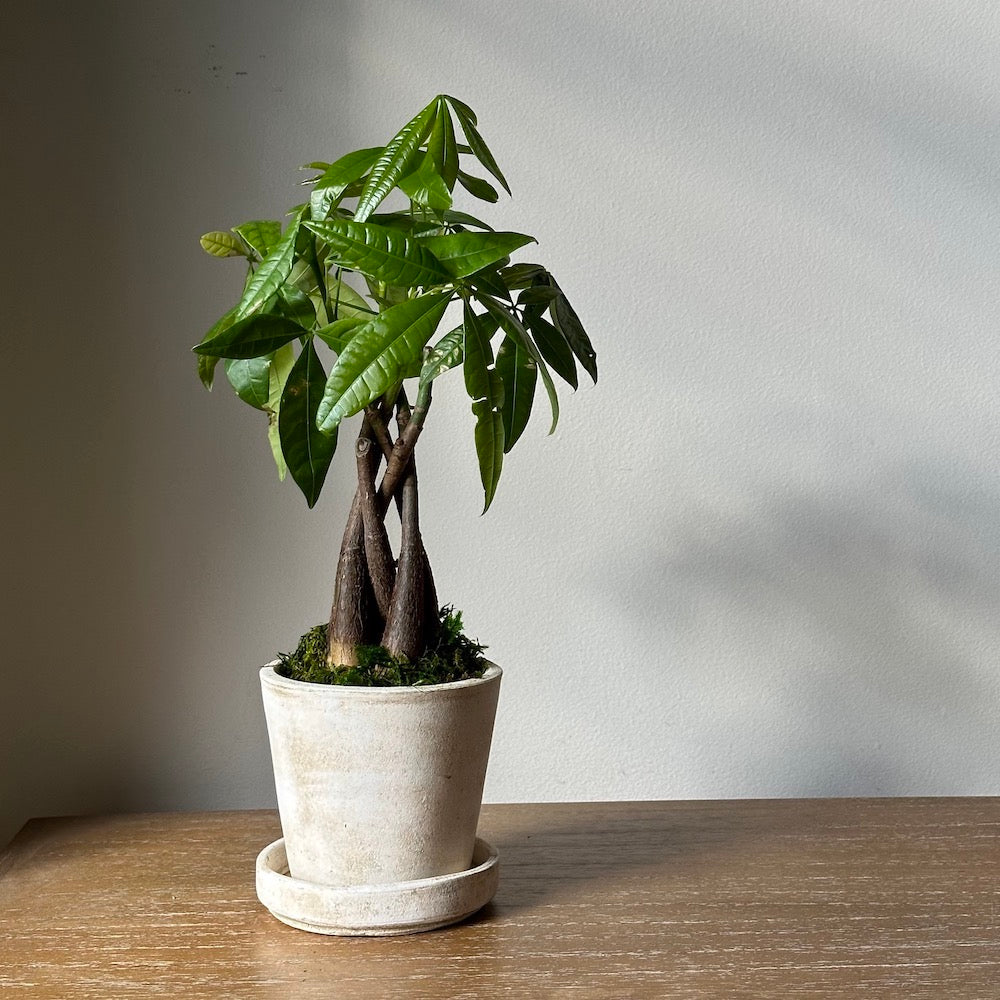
[{"x": 218, "y": 69}]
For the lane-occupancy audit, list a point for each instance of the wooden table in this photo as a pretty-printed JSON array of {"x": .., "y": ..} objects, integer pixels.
[{"x": 781, "y": 899}]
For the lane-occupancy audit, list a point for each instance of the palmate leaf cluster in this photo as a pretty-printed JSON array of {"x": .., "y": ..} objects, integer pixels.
[{"x": 368, "y": 290}]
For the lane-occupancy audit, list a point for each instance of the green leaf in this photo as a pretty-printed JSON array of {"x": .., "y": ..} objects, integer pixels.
[
  {"x": 478, "y": 355},
  {"x": 250, "y": 377},
  {"x": 489, "y": 281},
  {"x": 420, "y": 224},
  {"x": 218, "y": 244},
  {"x": 376, "y": 355},
  {"x": 479, "y": 148},
  {"x": 441, "y": 146},
  {"x": 448, "y": 352},
  {"x": 206, "y": 370},
  {"x": 478, "y": 188},
  {"x": 486, "y": 389},
  {"x": 281, "y": 364},
  {"x": 402, "y": 220},
  {"x": 206, "y": 362},
  {"x": 347, "y": 168},
  {"x": 465, "y": 109},
  {"x": 568, "y": 324},
  {"x": 336, "y": 178},
  {"x": 464, "y": 219},
  {"x": 513, "y": 327},
  {"x": 395, "y": 162},
  {"x": 519, "y": 373},
  {"x": 346, "y": 301},
  {"x": 274, "y": 439},
  {"x": 550, "y": 391},
  {"x": 303, "y": 277},
  {"x": 252, "y": 337},
  {"x": 465, "y": 253},
  {"x": 489, "y": 435},
  {"x": 386, "y": 255},
  {"x": 412, "y": 369},
  {"x": 337, "y": 334},
  {"x": 322, "y": 200},
  {"x": 426, "y": 187},
  {"x": 261, "y": 235},
  {"x": 296, "y": 305},
  {"x": 307, "y": 450},
  {"x": 537, "y": 295},
  {"x": 552, "y": 345},
  {"x": 522, "y": 275},
  {"x": 272, "y": 272}
]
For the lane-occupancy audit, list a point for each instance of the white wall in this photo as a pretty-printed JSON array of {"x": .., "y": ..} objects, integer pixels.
[{"x": 760, "y": 558}]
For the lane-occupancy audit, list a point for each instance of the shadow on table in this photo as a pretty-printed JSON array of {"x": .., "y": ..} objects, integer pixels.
[{"x": 551, "y": 852}]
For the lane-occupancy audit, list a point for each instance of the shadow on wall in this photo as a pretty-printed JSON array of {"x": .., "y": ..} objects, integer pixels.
[
  {"x": 838, "y": 644},
  {"x": 113, "y": 606}
]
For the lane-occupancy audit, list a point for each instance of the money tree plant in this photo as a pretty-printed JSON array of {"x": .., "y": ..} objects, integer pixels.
[{"x": 339, "y": 316}]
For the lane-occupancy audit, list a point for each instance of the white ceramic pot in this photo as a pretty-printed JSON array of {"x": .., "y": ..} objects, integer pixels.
[{"x": 379, "y": 785}]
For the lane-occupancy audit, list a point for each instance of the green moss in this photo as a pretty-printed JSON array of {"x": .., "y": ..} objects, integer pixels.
[{"x": 454, "y": 657}]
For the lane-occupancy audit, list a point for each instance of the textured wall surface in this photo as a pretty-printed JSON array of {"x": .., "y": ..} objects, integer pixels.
[{"x": 759, "y": 558}]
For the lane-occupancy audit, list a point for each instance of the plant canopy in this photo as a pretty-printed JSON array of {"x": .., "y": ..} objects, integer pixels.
[{"x": 367, "y": 288}]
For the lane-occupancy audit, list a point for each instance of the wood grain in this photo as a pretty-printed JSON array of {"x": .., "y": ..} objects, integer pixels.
[{"x": 782, "y": 899}]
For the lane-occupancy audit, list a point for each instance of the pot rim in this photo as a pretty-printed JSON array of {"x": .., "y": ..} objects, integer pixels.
[{"x": 270, "y": 677}]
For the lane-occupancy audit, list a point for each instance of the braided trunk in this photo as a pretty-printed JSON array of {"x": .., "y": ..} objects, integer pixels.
[{"x": 377, "y": 599}]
